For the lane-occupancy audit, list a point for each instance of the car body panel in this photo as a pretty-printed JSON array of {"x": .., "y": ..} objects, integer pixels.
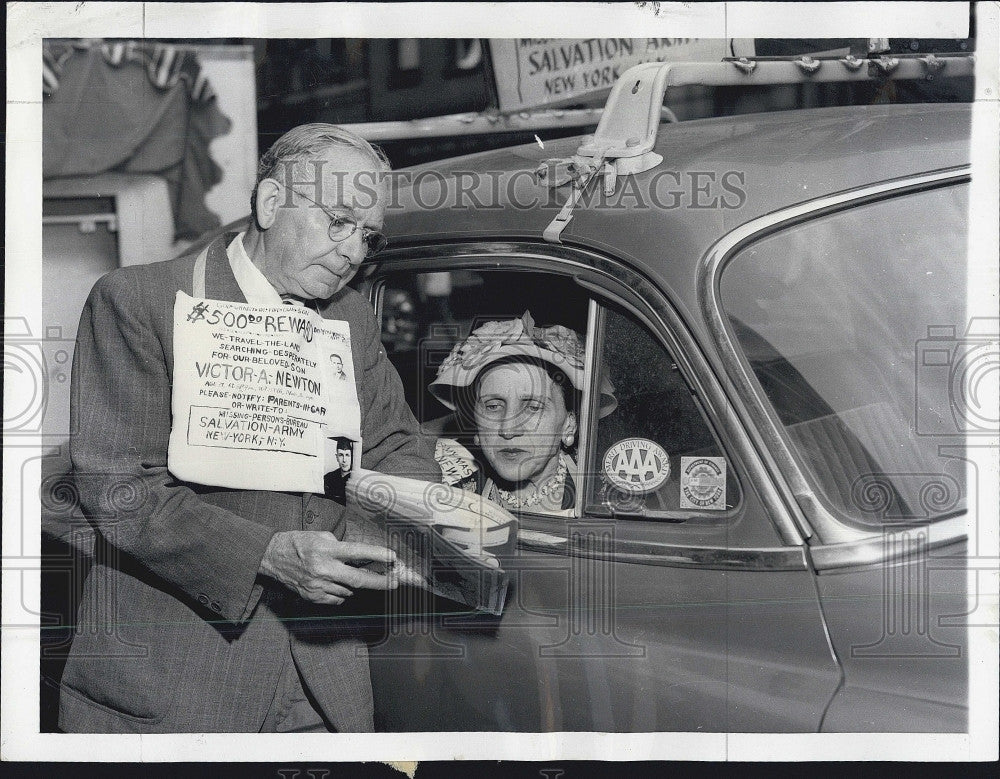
[
  {"x": 587, "y": 643},
  {"x": 899, "y": 629}
]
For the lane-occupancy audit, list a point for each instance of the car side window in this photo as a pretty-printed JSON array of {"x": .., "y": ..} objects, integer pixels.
[
  {"x": 653, "y": 454},
  {"x": 501, "y": 432},
  {"x": 641, "y": 448}
]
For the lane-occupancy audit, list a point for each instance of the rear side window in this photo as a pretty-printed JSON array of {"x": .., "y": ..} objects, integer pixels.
[{"x": 855, "y": 327}]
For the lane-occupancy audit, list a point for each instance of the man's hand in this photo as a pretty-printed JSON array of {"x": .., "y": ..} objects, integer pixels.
[{"x": 321, "y": 569}]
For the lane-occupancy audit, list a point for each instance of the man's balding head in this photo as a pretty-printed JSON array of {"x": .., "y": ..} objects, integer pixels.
[
  {"x": 318, "y": 208},
  {"x": 307, "y": 144}
]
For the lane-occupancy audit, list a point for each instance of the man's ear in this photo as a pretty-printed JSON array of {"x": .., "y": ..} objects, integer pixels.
[{"x": 269, "y": 200}]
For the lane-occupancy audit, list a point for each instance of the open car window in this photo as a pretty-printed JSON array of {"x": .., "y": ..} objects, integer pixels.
[{"x": 425, "y": 314}]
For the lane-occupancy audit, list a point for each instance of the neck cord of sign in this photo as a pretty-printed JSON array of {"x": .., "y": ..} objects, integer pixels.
[
  {"x": 291, "y": 300},
  {"x": 553, "y": 483}
]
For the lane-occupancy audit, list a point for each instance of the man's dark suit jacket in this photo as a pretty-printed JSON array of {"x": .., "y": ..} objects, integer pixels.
[
  {"x": 176, "y": 631},
  {"x": 335, "y": 486}
]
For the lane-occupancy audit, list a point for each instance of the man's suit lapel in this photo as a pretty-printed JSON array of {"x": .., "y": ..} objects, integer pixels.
[{"x": 220, "y": 283}]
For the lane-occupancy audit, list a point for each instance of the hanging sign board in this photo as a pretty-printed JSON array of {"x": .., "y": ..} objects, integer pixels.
[
  {"x": 258, "y": 394},
  {"x": 541, "y": 72}
]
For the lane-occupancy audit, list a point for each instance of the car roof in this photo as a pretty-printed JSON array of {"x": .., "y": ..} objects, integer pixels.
[{"x": 777, "y": 159}]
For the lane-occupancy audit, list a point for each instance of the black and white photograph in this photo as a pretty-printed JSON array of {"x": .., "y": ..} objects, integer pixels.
[{"x": 543, "y": 398}]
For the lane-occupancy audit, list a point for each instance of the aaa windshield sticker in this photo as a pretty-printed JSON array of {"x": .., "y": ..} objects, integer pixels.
[{"x": 636, "y": 465}]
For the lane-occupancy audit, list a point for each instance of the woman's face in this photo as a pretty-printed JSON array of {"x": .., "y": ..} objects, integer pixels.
[{"x": 521, "y": 418}]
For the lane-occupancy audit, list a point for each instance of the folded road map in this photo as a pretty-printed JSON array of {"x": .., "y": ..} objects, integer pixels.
[{"x": 453, "y": 539}]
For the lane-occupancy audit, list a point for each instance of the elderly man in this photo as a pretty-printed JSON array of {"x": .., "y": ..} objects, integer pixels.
[{"x": 212, "y": 609}]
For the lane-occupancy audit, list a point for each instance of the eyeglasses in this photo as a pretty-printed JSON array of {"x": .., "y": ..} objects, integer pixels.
[{"x": 343, "y": 227}]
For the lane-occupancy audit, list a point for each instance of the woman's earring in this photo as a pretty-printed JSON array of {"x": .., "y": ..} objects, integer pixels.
[
  {"x": 568, "y": 439},
  {"x": 475, "y": 439}
]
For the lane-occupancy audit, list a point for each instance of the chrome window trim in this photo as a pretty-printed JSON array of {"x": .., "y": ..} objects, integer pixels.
[
  {"x": 644, "y": 299},
  {"x": 588, "y": 416},
  {"x": 894, "y": 544},
  {"x": 848, "y": 545},
  {"x": 784, "y": 558}
]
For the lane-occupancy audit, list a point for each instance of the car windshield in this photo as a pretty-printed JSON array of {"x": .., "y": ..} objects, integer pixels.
[{"x": 855, "y": 327}]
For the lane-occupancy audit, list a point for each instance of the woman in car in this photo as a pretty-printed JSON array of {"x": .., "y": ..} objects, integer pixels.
[{"x": 516, "y": 388}]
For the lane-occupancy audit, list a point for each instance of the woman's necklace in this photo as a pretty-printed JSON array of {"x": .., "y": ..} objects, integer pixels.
[{"x": 554, "y": 482}]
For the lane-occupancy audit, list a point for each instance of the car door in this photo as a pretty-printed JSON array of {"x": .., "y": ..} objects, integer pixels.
[{"x": 675, "y": 596}]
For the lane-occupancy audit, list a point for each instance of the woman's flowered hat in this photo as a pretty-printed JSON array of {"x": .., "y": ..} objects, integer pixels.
[{"x": 493, "y": 341}]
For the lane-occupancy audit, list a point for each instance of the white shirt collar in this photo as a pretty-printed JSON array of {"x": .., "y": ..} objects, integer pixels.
[{"x": 254, "y": 285}]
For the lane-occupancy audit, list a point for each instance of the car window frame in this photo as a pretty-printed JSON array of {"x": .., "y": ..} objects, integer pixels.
[
  {"x": 611, "y": 279},
  {"x": 587, "y": 428}
]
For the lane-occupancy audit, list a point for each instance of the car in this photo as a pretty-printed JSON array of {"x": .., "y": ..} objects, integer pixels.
[
  {"x": 770, "y": 531},
  {"x": 778, "y": 300}
]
